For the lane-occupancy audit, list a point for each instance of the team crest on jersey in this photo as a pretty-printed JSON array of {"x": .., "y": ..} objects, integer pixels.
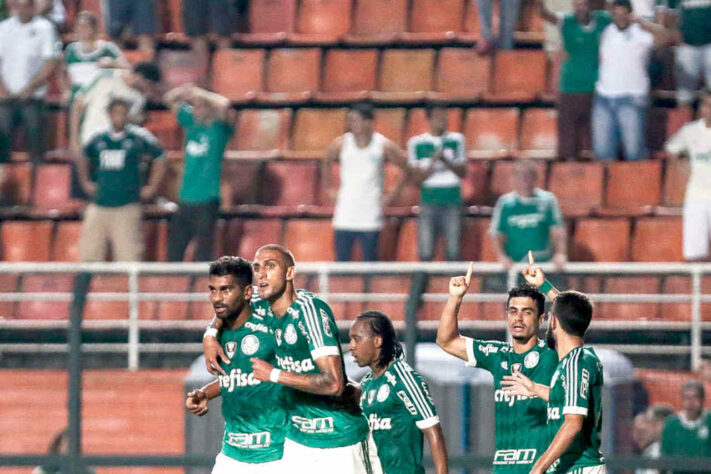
[
  {"x": 250, "y": 344},
  {"x": 516, "y": 367},
  {"x": 531, "y": 360},
  {"x": 371, "y": 396},
  {"x": 277, "y": 336},
  {"x": 230, "y": 348},
  {"x": 703, "y": 433},
  {"x": 326, "y": 323},
  {"x": 290, "y": 335},
  {"x": 383, "y": 393}
]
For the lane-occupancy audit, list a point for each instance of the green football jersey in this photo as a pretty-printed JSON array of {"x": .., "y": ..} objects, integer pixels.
[
  {"x": 682, "y": 437},
  {"x": 254, "y": 411},
  {"x": 83, "y": 66},
  {"x": 304, "y": 333},
  {"x": 443, "y": 186},
  {"x": 576, "y": 389},
  {"x": 398, "y": 406},
  {"x": 521, "y": 431}
]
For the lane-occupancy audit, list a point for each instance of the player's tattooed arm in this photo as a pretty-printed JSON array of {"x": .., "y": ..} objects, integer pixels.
[
  {"x": 448, "y": 336},
  {"x": 196, "y": 401},
  {"x": 329, "y": 381},
  {"x": 519, "y": 384},
  {"x": 560, "y": 444},
  {"x": 212, "y": 349},
  {"x": 435, "y": 438}
]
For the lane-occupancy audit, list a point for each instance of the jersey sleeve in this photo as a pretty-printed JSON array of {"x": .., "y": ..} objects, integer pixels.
[
  {"x": 580, "y": 375},
  {"x": 483, "y": 354},
  {"x": 498, "y": 225},
  {"x": 678, "y": 143},
  {"x": 185, "y": 115},
  {"x": 555, "y": 217},
  {"x": 321, "y": 328},
  {"x": 151, "y": 145},
  {"x": 414, "y": 393}
]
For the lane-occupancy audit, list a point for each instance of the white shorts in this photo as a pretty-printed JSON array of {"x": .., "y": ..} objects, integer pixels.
[
  {"x": 359, "y": 458},
  {"x": 227, "y": 465},
  {"x": 697, "y": 229}
]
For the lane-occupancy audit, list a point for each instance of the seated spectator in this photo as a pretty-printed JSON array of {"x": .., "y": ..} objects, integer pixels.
[
  {"x": 508, "y": 17},
  {"x": 580, "y": 33},
  {"x": 208, "y": 122},
  {"x": 622, "y": 89},
  {"x": 83, "y": 58},
  {"x": 441, "y": 156},
  {"x": 694, "y": 141},
  {"x": 136, "y": 17},
  {"x": 114, "y": 216},
  {"x": 29, "y": 53},
  {"x": 215, "y": 19}
]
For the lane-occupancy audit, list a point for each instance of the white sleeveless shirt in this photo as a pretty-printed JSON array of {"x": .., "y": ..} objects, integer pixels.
[{"x": 358, "y": 205}]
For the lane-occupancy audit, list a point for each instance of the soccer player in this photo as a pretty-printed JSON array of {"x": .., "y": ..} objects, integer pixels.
[
  {"x": 254, "y": 413},
  {"x": 520, "y": 420},
  {"x": 395, "y": 399},
  {"x": 327, "y": 431}
]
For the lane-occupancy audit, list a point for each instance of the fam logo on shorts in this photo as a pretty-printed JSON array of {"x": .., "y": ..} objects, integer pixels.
[
  {"x": 250, "y": 344},
  {"x": 531, "y": 360},
  {"x": 383, "y": 393},
  {"x": 290, "y": 335},
  {"x": 230, "y": 348}
]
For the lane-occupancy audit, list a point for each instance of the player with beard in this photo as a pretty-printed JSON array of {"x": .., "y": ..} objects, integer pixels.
[
  {"x": 326, "y": 431},
  {"x": 521, "y": 433},
  {"x": 254, "y": 413}
]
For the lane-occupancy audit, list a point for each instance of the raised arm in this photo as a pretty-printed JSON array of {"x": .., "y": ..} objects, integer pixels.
[
  {"x": 448, "y": 336},
  {"x": 175, "y": 96},
  {"x": 329, "y": 381},
  {"x": 662, "y": 36},
  {"x": 545, "y": 13},
  {"x": 435, "y": 438},
  {"x": 535, "y": 277},
  {"x": 562, "y": 441}
]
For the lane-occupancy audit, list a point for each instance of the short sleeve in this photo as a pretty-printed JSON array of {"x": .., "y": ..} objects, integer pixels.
[
  {"x": 483, "y": 354},
  {"x": 320, "y": 326},
  {"x": 151, "y": 145},
  {"x": 414, "y": 393},
  {"x": 678, "y": 143},
  {"x": 91, "y": 150},
  {"x": 185, "y": 116},
  {"x": 113, "y": 51},
  {"x": 579, "y": 376},
  {"x": 498, "y": 226},
  {"x": 556, "y": 217}
]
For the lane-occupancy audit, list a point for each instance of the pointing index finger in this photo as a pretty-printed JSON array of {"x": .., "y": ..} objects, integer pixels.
[
  {"x": 530, "y": 257},
  {"x": 469, "y": 272}
]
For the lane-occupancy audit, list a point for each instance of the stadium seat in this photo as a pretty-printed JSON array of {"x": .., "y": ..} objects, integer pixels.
[
  {"x": 475, "y": 184},
  {"x": 244, "y": 236},
  {"x": 508, "y": 82},
  {"x": 9, "y": 283},
  {"x": 262, "y": 133},
  {"x": 15, "y": 184},
  {"x": 409, "y": 194},
  {"x": 322, "y": 21},
  {"x": 45, "y": 283},
  {"x": 407, "y": 242},
  {"x": 657, "y": 239},
  {"x": 418, "y": 124},
  {"x": 348, "y": 75},
  {"x": 432, "y": 310},
  {"x": 539, "y": 134},
  {"x": 491, "y": 133},
  {"x": 26, "y": 240},
  {"x": 633, "y": 185},
  {"x": 664, "y": 385},
  {"x": 676, "y": 118},
  {"x": 462, "y": 75},
  {"x": 345, "y": 310},
  {"x": 270, "y": 21},
  {"x": 389, "y": 285},
  {"x": 310, "y": 240},
  {"x": 387, "y": 244},
  {"x": 165, "y": 284},
  {"x": 164, "y": 125},
  {"x": 476, "y": 242},
  {"x": 237, "y": 73},
  {"x": 678, "y": 284},
  {"x": 578, "y": 186},
  {"x": 53, "y": 188},
  {"x": 314, "y": 130},
  {"x": 630, "y": 311},
  {"x": 57, "y": 130},
  {"x": 107, "y": 309},
  {"x": 65, "y": 245},
  {"x": 676, "y": 177},
  {"x": 182, "y": 67},
  {"x": 391, "y": 123},
  {"x": 288, "y": 184},
  {"x": 502, "y": 177},
  {"x": 292, "y": 75},
  {"x": 434, "y": 21},
  {"x": 601, "y": 240},
  {"x": 472, "y": 25},
  {"x": 378, "y": 21},
  {"x": 155, "y": 240},
  {"x": 405, "y": 75},
  {"x": 240, "y": 181}
]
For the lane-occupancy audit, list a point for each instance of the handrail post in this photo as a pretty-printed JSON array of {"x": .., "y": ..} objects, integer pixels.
[
  {"x": 323, "y": 282},
  {"x": 133, "y": 334},
  {"x": 695, "y": 317}
]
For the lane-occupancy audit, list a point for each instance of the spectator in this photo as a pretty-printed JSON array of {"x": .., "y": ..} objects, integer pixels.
[
  {"x": 647, "y": 432},
  {"x": 215, "y": 18},
  {"x": 115, "y": 215},
  {"x": 83, "y": 58},
  {"x": 687, "y": 433},
  {"x": 53, "y": 10},
  {"x": 362, "y": 154},
  {"x": 137, "y": 16},
  {"x": 29, "y": 53},
  {"x": 528, "y": 218},
  {"x": 580, "y": 33},
  {"x": 694, "y": 140},
  {"x": 208, "y": 123},
  {"x": 622, "y": 88},
  {"x": 441, "y": 156},
  {"x": 508, "y": 17}
]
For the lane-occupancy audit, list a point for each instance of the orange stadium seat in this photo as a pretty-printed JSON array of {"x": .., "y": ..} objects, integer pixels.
[
  {"x": 657, "y": 239},
  {"x": 322, "y": 21},
  {"x": 345, "y": 310},
  {"x": 107, "y": 309},
  {"x": 392, "y": 285},
  {"x": 491, "y": 133},
  {"x": 65, "y": 246},
  {"x": 601, "y": 240},
  {"x": 135, "y": 56},
  {"x": 676, "y": 176},
  {"x": 633, "y": 185},
  {"x": 432, "y": 310},
  {"x": 502, "y": 177},
  {"x": 630, "y": 311},
  {"x": 391, "y": 123},
  {"x": 378, "y": 21},
  {"x": 418, "y": 124},
  {"x": 476, "y": 243},
  {"x": 289, "y": 183},
  {"x": 508, "y": 82},
  {"x": 155, "y": 240},
  {"x": 8, "y": 284},
  {"x": 182, "y": 67},
  {"x": 405, "y": 75},
  {"x": 164, "y": 125},
  {"x": 26, "y": 240},
  {"x": 311, "y": 240},
  {"x": 244, "y": 236},
  {"x": 270, "y": 21},
  {"x": 539, "y": 133},
  {"x": 262, "y": 132},
  {"x": 45, "y": 283},
  {"x": 349, "y": 74},
  {"x": 677, "y": 284},
  {"x": 664, "y": 386},
  {"x": 435, "y": 20},
  {"x": 409, "y": 194},
  {"x": 387, "y": 244},
  {"x": 472, "y": 24},
  {"x": 676, "y": 118},
  {"x": 239, "y": 181},
  {"x": 462, "y": 75},
  {"x": 165, "y": 284},
  {"x": 578, "y": 186},
  {"x": 407, "y": 241},
  {"x": 15, "y": 184},
  {"x": 475, "y": 184},
  {"x": 237, "y": 73},
  {"x": 314, "y": 130},
  {"x": 292, "y": 75},
  {"x": 52, "y": 187}
]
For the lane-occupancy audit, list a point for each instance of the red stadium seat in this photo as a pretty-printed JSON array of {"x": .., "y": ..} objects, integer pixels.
[
  {"x": 502, "y": 177},
  {"x": 676, "y": 284},
  {"x": 65, "y": 246},
  {"x": 601, "y": 240},
  {"x": 240, "y": 182},
  {"x": 8, "y": 284},
  {"x": 237, "y": 73},
  {"x": 164, "y": 125},
  {"x": 262, "y": 132},
  {"x": 475, "y": 184},
  {"x": 349, "y": 74},
  {"x": 676, "y": 177},
  {"x": 578, "y": 186},
  {"x": 508, "y": 82},
  {"x": 657, "y": 239},
  {"x": 405, "y": 75},
  {"x": 387, "y": 244},
  {"x": 15, "y": 184},
  {"x": 630, "y": 311},
  {"x": 26, "y": 240},
  {"x": 182, "y": 67},
  {"x": 664, "y": 385},
  {"x": 270, "y": 21},
  {"x": 52, "y": 188},
  {"x": 310, "y": 240},
  {"x": 292, "y": 75},
  {"x": 407, "y": 241},
  {"x": 378, "y": 21},
  {"x": 677, "y": 118},
  {"x": 418, "y": 124},
  {"x": 491, "y": 133},
  {"x": 462, "y": 75},
  {"x": 345, "y": 310},
  {"x": 476, "y": 242},
  {"x": 165, "y": 284},
  {"x": 45, "y": 283},
  {"x": 245, "y": 236},
  {"x": 107, "y": 309},
  {"x": 633, "y": 185},
  {"x": 409, "y": 194},
  {"x": 432, "y": 311},
  {"x": 539, "y": 134},
  {"x": 288, "y": 183},
  {"x": 389, "y": 285},
  {"x": 435, "y": 20},
  {"x": 322, "y": 21},
  {"x": 314, "y": 130},
  {"x": 391, "y": 123},
  {"x": 155, "y": 240}
]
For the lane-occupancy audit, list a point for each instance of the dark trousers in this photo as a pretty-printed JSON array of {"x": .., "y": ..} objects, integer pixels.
[
  {"x": 345, "y": 240},
  {"x": 30, "y": 112},
  {"x": 193, "y": 221},
  {"x": 574, "y": 116}
]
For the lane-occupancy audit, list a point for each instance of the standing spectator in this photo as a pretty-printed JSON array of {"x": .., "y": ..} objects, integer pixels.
[
  {"x": 204, "y": 19},
  {"x": 208, "y": 123},
  {"x": 647, "y": 432},
  {"x": 362, "y": 154},
  {"x": 622, "y": 89},
  {"x": 687, "y": 433},
  {"x": 114, "y": 217},
  {"x": 441, "y": 155},
  {"x": 83, "y": 58},
  {"x": 135, "y": 16},
  {"x": 528, "y": 218},
  {"x": 29, "y": 53},
  {"x": 508, "y": 17},
  {"x": 580, "y": 32}
]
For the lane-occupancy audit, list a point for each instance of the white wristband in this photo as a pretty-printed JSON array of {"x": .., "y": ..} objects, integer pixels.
[
  {"x": 274, "y": 375},
  {"x": 210, "y": 332}
]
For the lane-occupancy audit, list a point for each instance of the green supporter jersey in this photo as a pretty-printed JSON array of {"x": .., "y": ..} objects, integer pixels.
[
  {"x": 576, "y": 389},
  {"x": 578, "y": 71},
  {"x": 694, "y": 20},
  {"x": 304, "y": 333},
  {"x": 521, "y": 431},
  {"x": 254, "y": 412},
  {"x": 398, "y": 406},
  {"x": 443, "y": 186},
  {"x": 204, "y": 148},
  {"x": 682, "y": 437},
  {"x": 526, "y": 223},
  {"x": 82, "y": 66},
  {"x": 118, "y": 159}
]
